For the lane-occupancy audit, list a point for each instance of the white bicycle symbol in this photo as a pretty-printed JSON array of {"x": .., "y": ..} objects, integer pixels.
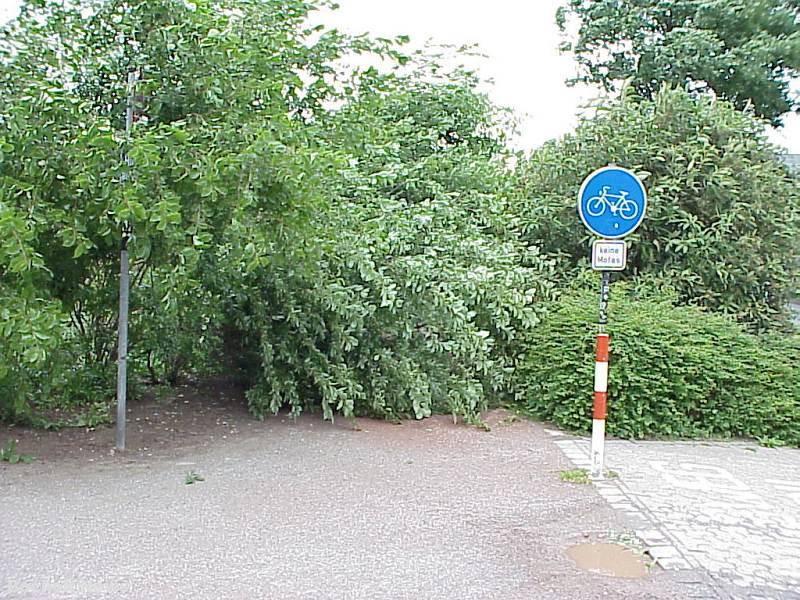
[{"x": 624, "y": 206}]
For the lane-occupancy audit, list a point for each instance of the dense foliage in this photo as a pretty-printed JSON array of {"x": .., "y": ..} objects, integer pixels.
[
  {"x": 669, "y": 376},
  {"x": 341, "y": 235},
  {"x": 746, "y": 51},
  {"x": 64, "y": 190},
  {"x": 723, "y": 214},
  {"x": 411, "y": 291}
]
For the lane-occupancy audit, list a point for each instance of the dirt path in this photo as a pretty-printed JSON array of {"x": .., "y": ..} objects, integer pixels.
[
  {"x": 303, "y": 509},
  {"x": 159, "y": 424}
]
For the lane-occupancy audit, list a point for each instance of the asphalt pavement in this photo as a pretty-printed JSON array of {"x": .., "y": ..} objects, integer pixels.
[{"x": 314, "y": 510}]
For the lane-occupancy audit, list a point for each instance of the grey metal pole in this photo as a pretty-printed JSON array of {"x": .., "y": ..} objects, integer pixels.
[
  {"x": 122, "y": 350},
  {"x": 124, "y": 289}
]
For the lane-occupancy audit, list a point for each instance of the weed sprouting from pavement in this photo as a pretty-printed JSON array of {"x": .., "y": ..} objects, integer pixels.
[
  {"x": 192, "y": 477},
  {"x": 574, "y": 476},
  {"x": 770, "y": 442},
  {"x": 9, "y": 454},
  {"x": 510, "y": 420}
]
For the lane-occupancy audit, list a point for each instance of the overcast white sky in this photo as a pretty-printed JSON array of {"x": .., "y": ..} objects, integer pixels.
[{"x": 520, "y": 39}]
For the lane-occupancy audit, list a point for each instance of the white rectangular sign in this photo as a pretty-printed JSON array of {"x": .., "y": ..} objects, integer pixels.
[{"x": 609, "y": 255}]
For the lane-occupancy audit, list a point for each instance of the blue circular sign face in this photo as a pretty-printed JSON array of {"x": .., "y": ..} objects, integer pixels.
[{"x": 612, "y": 202}]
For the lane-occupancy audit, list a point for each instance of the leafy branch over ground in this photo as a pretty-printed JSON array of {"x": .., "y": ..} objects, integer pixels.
[{"x": 10, "y": 455}]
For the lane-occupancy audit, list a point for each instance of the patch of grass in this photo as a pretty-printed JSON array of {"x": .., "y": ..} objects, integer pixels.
[
  {"x": 575, "y": 476},
  {"x": 192, "y": 477},
  {"x": 521, "y": 412},
  {"x": 98, "y": 413},
  {"x": 770, "y": 442},
  {"x": 474, "y": 421},
  {"x": 10, "y": 455},
  {"x": 582, "y": 475}
]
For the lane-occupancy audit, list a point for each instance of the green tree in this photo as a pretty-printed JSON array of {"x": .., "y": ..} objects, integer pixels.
[
  {"x": 746, "y": 51},
  {"x": 410, "y": 294},
  {"x": 723, "y": 216},
  {"x": 226, "y": 93}
]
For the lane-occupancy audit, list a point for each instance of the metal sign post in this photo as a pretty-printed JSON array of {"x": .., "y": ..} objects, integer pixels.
[
  {"x": 611, "y": 203},
  {"x": 124, "y": 285},
  {"x": 600, "y": 381},
  {"x": 122, "y": 347}
]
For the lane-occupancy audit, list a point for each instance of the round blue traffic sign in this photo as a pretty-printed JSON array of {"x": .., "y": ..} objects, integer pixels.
[{"x": 612, "y": 202}]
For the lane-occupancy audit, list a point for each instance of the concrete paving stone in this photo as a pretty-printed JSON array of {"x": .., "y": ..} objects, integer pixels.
[
  {"x": 608, "y": 485},
  {"x": 663, "y": 552},
  {"x": 713, "y": 502},
  {"x": 672, "y": 563},
  {"x": 649, "y": 534},
  {"x": 654, "y": 541},
  {"x": 612, "y": 497}
]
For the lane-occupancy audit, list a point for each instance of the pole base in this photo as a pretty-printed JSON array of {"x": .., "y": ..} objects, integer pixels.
[{"x": 598, "y": 448}]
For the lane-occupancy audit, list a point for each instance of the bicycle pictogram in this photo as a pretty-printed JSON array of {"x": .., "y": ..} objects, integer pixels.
[
  {"x": 612, "y": 202},
  {"x": 617, "y": 204}
]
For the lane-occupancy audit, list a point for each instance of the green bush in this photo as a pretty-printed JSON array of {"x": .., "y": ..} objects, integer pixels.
[
  {"x": 674, "y": 372},
  {"x": 403, "y": 292},
  {"x": 413, "y": 314},
  {"x": 30, "y": 330},
  {"x": 225, "y": 125}
]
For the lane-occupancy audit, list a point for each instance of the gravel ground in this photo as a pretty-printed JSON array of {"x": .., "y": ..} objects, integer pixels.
[{"x": 312, "y": 510}]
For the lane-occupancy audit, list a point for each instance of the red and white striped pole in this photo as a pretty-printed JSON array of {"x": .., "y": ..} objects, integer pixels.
[
  {"x": 599, "y": 408},
  {"x": 600, "y": 383}
]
